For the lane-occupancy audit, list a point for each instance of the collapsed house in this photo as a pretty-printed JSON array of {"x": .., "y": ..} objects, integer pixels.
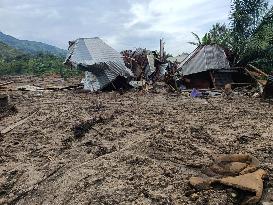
[
  {"x": 103, "y": 66},
  {"x": 208, "y": 67},
  {"x": 146, "y": 65}
]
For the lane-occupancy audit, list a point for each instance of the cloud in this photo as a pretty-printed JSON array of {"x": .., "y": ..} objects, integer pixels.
[
  {"x": 175, "y": 20},
  {"x": 124, "y": 24}
]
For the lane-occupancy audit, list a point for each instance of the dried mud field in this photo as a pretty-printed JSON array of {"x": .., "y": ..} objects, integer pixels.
[{"x": 133, "y": 148}]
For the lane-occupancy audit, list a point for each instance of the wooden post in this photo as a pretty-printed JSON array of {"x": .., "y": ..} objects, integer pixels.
[
  {"x": 212, "y": 79},
  {"x": 161, "y": 53}
]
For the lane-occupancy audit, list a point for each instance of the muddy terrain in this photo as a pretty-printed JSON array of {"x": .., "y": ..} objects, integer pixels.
[{"x": 72, "y": 147}]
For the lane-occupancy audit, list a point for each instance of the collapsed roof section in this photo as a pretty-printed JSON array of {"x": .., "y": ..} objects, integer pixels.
[
  {"x": 204, "y": 58},
  {"x": 102, "y": 63}
]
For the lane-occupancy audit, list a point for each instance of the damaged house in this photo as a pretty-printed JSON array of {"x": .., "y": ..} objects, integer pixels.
[
  {"x": 104, "y": 67},
  {"x": 142, "y": 62},
  {"x": 208, "y": 67}
]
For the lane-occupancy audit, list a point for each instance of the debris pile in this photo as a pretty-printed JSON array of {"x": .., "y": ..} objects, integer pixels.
[
  {"x": 207, "y": 67},
  {"x": 145, "y": 64}
]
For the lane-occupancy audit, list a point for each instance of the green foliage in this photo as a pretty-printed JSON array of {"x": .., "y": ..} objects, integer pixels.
[
  {"x": 252, "y": 31},
  {"x": 197, "y": 38},
  {"x": 246, "y": 16},
  {"x": 219, "y": 34},
  {"x": 13, "y": 62},
  {"x": 250, "y": 35},
  {"x": 7, "y": 52}
]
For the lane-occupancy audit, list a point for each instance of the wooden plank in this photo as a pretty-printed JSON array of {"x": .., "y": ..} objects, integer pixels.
[
  {"x": 258, "y": 70},
  {"x": 251, "y": 74}
]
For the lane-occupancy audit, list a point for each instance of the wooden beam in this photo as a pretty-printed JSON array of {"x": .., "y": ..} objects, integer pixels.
[
  {"x": 258, "y": 70},
  {"x": 212, "y": 79}
]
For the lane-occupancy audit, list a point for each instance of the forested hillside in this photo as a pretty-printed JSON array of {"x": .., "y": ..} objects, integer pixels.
[
  {"x": 14, "y": 62},
  {"x": 31, "y": 47},
  {"x": 7, "y": 52}
]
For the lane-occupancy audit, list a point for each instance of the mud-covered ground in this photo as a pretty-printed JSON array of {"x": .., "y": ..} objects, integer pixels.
[{"x": 136, "y": 148}]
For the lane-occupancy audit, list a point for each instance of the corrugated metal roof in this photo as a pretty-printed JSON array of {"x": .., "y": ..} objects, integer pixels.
[
  {"x": 209, "y": 57},
  {"x": 95, "y": 56},
  {"x": 150, "y": 68}
]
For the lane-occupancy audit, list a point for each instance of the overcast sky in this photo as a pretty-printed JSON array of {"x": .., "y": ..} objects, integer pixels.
[{"x": 124, "y": 24}]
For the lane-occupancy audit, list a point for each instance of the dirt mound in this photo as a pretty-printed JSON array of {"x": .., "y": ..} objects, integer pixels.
[{"x": 133, "y": 148}]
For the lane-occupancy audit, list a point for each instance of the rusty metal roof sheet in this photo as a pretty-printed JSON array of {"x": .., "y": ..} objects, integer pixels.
[{"x": 203, "y": 58}]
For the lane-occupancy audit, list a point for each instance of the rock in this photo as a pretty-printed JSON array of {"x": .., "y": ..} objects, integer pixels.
[
  {"x": 252, "y": 182},
  {"x": 233, "y": 195},
  {"x": 237, "y": 167},
  {"x": 194, "y": 197},
  {"x": 235, "y": 164},
  {"x": 200, "y": 183}
]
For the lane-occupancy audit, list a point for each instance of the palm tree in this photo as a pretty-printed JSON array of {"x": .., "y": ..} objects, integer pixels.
[{"x": 197, "y": 38}]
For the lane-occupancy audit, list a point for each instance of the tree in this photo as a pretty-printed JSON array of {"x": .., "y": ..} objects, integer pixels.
[
  {"x": 198, "y": 40},
  {"x": 219, "y": 34},
  {"x": 249, "y": 36},
  {"x": 250, "y": 27}
]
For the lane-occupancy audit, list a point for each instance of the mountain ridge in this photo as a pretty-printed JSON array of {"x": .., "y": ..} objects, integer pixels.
[
  {"x": 31, "y": 47},
  {"x": 7, "y": 52}
]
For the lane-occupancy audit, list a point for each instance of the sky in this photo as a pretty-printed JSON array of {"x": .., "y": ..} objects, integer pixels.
[{"x": 123, "y": 24}]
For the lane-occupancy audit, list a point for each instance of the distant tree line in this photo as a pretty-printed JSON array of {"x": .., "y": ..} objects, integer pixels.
[{"x": 38, "y": 64}]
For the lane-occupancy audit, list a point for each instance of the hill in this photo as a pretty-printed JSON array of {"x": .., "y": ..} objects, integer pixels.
[
  {"x": 16, "y": 62},
  {"x": 7, "y": 52},
  {"x": 31, "y": 47}
]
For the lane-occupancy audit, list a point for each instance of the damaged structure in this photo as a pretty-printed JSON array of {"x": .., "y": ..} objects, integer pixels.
[
  {"x": 106, "y": 69},
  {"x": 149, "y": 65},
  {"x": 145, "y": 64},
  {"x": 103, "y": 66},
  {"x": 208, "y": 67}
]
